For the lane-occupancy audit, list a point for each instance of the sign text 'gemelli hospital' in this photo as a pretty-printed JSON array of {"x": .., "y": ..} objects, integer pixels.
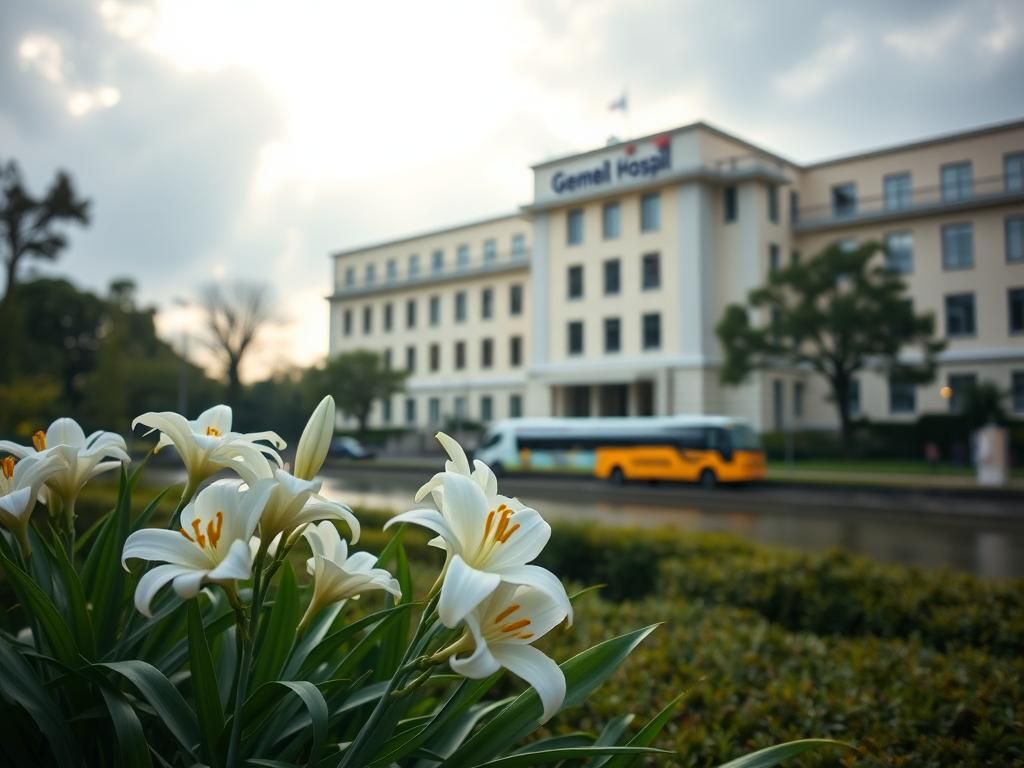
[{"x": 621, "y": 169}]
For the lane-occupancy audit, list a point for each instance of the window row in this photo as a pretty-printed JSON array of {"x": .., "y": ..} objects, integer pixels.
[
  {"x": 459, "y": 355},
  {"x": 731, "y": 204},
  {"x": 956, "y": 182},
  {"x": 903, "y": 394},
  {"x": 460, "y": 410},
  {"x": 611, "y": 219},
  {"x": 463, "y": 260},
  {"x": 960, "y": 313},
  {"x": 650, "y": 334},
  {"x": 611, "y": 271},
  {"x": 460, "y": 310}
]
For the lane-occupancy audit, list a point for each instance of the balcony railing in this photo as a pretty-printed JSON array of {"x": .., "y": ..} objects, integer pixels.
[
  {"x": 427, "y": 273},
  {"x": 987, "y": 190}
]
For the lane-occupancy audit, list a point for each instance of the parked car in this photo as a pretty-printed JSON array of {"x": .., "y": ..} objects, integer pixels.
[{"x": 350, "y": 448}]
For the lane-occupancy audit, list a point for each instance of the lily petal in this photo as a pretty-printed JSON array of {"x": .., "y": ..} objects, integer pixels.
[
  {"x": 537, "y": 669},
  {"x": 236, "y": 565},
  {"x": 526, "y": 542},
  {"x": 463, "y": 589},
  {"x": 165, "y": 546},
  {"x": 151, "y": 582},
  {"x": 481, "y": 662},
  {"x": 542, "y": 579}
]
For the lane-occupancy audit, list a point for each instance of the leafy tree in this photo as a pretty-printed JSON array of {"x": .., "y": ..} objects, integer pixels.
[
  {"x": 234, "y": 317},
  {"x": 838, "y": 313},
  {"x": 356, "y": 379},
  {"x": 983, "y": 405}
]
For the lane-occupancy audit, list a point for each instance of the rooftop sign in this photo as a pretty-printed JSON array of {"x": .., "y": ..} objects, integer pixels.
[{"x": 630, "y": 165}]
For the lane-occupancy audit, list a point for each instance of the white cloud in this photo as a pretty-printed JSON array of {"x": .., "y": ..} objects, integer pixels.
[
  {"x": 81, "y": 103},
  {"x": 811, "y": 76},
  {"x": 1004, "y": 32},
  {"x": 42, "y": 54},
  {"x": 925, "y": 42}
]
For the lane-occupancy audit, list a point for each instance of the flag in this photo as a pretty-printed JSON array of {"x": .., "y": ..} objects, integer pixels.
[{"x": 619, "y": 103}]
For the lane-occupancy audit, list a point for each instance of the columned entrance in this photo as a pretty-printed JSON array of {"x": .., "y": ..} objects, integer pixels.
[{"x": 609, "y": 400}]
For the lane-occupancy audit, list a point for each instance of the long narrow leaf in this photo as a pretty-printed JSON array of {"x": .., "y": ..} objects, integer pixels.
[
  {"x": 278, "y": 630},
  {"x": 38, "y": 603},
  {"x": 131, "y": 742},
  {"x": 764, "y": 758},
  {"x": 204, "y": 686},
  {"x": 542, "y": 757},
  {"x": 330, "y": 644},
  {"x": 647, "y": 734},
  {"x": 315, "y": 706},
  {"x": 78, "y": 611}
]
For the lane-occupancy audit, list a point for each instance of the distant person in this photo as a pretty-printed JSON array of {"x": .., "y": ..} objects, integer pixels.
[{"x": 931, "y": 455}]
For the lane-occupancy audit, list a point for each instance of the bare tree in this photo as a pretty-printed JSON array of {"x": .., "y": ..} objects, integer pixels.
[{"x": 234, "y": 316}]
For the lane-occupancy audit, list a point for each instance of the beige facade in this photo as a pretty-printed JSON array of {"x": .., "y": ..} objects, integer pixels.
[{"x": 628, "y": 255}]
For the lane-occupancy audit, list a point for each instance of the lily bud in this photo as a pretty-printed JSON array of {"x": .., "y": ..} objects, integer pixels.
[{"x": 315, "y": 440}]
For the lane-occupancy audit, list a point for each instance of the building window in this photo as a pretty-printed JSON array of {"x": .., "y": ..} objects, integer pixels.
[
  {"x": 350, "y": 277},
  {"x": 853, "y": 397},
  {"x": 515, "y": 351},
  {"x": 368, "y": 319},
  {"x": 435, "y": 357},
  {"x": 612, "y": 277},
  {"x": 730, "y": 204},
  {"x": 798, "y": 399},
  {"x": 778, "y": 405},
  {"x": 575, "y": 331},
  {"x": 437, "y": 261},
  {"x": 460, "y": 408},
  {"x": 460, "y": 307},
  {"x": 1013, "y": 172},
  {"x": 435, "y": 310},
  {"x": 611, "y": 221},
  {"x": 794, "y": 206},
  {"x": 1016, "y": 309},
  {"x": 346, "y": 322},
  {"x": 612, "y": 334},
  {"x": 652, "y": 331},
  {"x": 371, "y": 274},
  {"x": 896, "y": 191},
  {"x": 957, "y": 182},
  {"x": 957, "y": 246},
  {"x": 486, "y": 408},
  {"x": 486, "y": 353},
  {"x": 392, "y": 270},
  {"x": 460, "y": 355},
  {"x": 410, "y": 313},
  {"x": 410, "y": 410},
  {"x": 414, "y": 265},
  {"x": 1017, "y": 391},
  {"x": 844, "y": 199},
  {"x": 899, "y": 252},
  {"x": 574, "y": 226},
  {"x": 388, "y": 317},
  {"x": 515, "y": 406},
  {"x": 774, "y": 257},
  {"x": 960, "y": 314},
  {"x": 650, "y": 212},
  {"x": 773, "y": 204},
  {"x": 1015, "y": 238},
  {"x": 387, "y": 359},
  {"x": 462, "y": 257},
  {"x": 515, "y": 299},
  {"x": 385, "y": 410},
  {"x": 650, "y": 271},
  {"x": 490, "y": 251},
  {"x": 487, "y": 303},
  {"x": 960, "y": 384},
  {"x": 410, "y": 359},
  {"x": 518, "y": 244},
  {"x": 434, "y": 410},
  {"x": 575, "y": 281},
  {"x": 902, "y": 396}
]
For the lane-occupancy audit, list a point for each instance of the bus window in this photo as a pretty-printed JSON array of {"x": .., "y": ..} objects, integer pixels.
[
  {"x": 490, "y": 439},
  {"x": 745, "y": 439}
]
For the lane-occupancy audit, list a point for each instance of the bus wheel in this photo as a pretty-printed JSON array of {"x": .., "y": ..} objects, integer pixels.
[
  {"x": 617, "y": 477},
  {"x": 708, "y": 479}
]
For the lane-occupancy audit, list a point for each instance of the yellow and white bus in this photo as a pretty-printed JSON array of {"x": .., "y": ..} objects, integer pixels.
[{"x": 702, "y": 449}]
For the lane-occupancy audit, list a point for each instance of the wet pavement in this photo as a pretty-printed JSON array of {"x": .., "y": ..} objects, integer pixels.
[{"x": 967, "y": 532}]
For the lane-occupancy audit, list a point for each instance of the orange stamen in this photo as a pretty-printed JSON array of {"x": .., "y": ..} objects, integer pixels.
[
  {"x": 526, "y": 635},
  {"x": 184, "y": 533},
  {"x": 506, "y": 513},
  {"x": 200, "y": 539},
  {"x": 213, "y": 432},
  {"x": 214, "y": 533},
  {"x": 516, "y": 625},
  {"x": 39, "y": 440},
  {"x": 487, "y": 526},
  {"x": 508, "y": 533},
  {"x": 506, "y": 613},
  {"x": 8, "y": 466}
]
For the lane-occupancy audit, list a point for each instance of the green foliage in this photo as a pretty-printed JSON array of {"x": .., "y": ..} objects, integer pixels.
[{"x": 356, "y": 379}]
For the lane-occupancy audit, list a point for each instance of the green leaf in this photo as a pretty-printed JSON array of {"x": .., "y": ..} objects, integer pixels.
[
  {"x": 312, "y": 637},
  {"x": 207, "y": 701},
  {"x": 277, "y": 632},
  {"x": 165, "y": 699},
  {"x": 583, "y": 674},
  {"x": 775, "y": 755},
  {"x": 39, "y": 604},
  {"x": 455, "y": 732},
  {"x": 647, "y": 734},
  {"x": 131, "y": 742},
  {"x": 568, "y": 740},
  {"x": 330, "y": 644},
  {"x": 396, "y": 638},
  {"x": 23, "y": 686},
  {"x": 315, "y": 706},
  {"x": 81, "y": 623},
  {"x": 540, "y": 757}
]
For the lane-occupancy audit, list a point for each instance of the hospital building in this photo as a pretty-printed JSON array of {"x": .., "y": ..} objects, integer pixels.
[{"x": 600, "y": 296}]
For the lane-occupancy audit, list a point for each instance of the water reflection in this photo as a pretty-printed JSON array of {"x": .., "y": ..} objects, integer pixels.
[{"x": 987, "y": 547}]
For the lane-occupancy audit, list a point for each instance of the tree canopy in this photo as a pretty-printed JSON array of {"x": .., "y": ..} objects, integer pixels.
[
  {"x": 838, "y": 313},
  {"x": 356, "y": 379}
]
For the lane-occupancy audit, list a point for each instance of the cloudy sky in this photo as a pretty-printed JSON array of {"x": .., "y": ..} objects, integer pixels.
[{"x": 248, "y": 139}]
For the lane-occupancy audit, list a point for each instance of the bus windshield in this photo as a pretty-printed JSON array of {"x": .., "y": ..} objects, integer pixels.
[{"x": 745, "y": 439}]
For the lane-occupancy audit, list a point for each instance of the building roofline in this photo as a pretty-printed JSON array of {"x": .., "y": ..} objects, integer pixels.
[
  {"x": 942, "y": 138},
  {"x": 699, "y": 124},
  {"x": 515, "y": 214}
]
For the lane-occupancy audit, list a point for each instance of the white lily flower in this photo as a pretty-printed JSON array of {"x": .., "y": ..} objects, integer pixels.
[
  {"x": 315, "y": 440},
  {"x": 20, "y": 483},
  {"x": 212, "y": 545},
  {"x": 458, "y": 463},
  {"x": 486, "y": 545},
  {"x": 84, "y": 458},
  {"x": 207, "y": 445},
  {"x": 338, "y": 575},
  {"x": 295, "y": 502},
  {"x": 500, "y": 631}
]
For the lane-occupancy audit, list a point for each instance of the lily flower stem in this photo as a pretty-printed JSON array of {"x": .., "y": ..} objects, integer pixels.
[
  {"x": 244, "y": 642},
  {"x": 412, "y": 686},
  {"x": 186, "y": 496}
]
